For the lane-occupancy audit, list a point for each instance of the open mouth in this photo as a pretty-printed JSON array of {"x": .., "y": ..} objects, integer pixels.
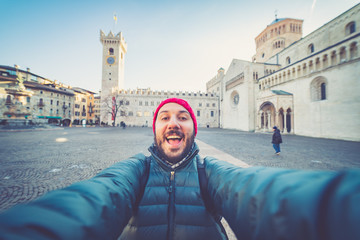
[{"x": 174, "y": 140}]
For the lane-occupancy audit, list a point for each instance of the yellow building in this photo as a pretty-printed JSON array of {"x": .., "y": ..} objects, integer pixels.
[
  {"x": 97, "y": 102},
  {"x": 84, "y": 107}
]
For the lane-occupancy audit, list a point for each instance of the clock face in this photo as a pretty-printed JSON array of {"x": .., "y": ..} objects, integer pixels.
[{"x": 110, "y": 60}]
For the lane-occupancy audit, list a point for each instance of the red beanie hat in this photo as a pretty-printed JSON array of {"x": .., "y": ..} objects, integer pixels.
[{"x": 181, "y": 102}]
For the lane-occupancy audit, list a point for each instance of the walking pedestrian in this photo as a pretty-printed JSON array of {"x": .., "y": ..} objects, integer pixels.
[{"x": 276, "y": 140}]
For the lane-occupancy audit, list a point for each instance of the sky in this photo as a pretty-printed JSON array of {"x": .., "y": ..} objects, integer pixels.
[{"x": 175, "y": 45}]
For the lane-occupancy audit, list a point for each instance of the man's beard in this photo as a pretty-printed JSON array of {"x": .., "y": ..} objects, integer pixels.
[{"x": 189, "y": 141}]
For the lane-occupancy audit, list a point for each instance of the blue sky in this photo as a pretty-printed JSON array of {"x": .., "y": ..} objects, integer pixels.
[{"x": 172, "y": 45}]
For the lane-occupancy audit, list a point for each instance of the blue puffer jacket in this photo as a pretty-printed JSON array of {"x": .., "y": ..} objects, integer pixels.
[{"x": 257, "y": 202}]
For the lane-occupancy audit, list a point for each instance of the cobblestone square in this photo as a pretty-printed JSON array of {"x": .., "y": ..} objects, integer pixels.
[{"x": 34, "y": 162}]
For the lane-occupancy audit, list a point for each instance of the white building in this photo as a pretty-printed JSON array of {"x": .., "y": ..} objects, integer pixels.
[{"x": 306, "y": 86}]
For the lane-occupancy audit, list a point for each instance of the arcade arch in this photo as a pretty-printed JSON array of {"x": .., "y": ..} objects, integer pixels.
[{"x": 268, "y": 117}]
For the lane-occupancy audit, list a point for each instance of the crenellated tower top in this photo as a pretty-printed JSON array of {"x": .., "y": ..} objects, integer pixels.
[{"x": 112, "y": 39}]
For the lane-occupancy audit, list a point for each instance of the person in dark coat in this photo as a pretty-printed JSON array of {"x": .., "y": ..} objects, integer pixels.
[
  {"x": 276, "y": 140},
  {"x": 160, "y": 197}
]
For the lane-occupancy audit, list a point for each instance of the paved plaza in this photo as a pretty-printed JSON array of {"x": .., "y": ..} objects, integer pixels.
[{"x": 34, "y": 162}]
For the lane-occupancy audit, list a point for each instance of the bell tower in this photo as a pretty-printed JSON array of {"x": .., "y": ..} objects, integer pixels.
[
  {"x": 280, "y": 34},
  {"x": 113, "y": 58}
]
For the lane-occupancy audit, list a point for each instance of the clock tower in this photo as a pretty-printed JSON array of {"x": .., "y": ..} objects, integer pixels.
[{"x": 113, "y": 58}]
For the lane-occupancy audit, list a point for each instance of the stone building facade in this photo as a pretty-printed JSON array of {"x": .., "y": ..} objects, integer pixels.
[
  {"x": 137, "y": 107},
  {"x": 27, "y": 98},
  {"x": 307, "y": 86},
  {"x": 51, "y": 102}
]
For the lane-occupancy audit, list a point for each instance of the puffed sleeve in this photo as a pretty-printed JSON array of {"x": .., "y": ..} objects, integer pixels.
[
  {"x": 273, "y": 203},
  {"x": 98, "y": 208}
]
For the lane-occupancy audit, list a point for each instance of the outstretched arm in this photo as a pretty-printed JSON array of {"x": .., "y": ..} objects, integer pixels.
[
  {"x": 98, "y": 208},
  {"x": 270, "y": 203}
]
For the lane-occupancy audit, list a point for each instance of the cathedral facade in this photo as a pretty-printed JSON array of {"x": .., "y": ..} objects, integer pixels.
[{"x": 303, "y": 85}]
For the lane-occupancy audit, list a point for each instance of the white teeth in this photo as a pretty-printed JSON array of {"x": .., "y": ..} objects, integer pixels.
[{"x": 173, "y": 137}]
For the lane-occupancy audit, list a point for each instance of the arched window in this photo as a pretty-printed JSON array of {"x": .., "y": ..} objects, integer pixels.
[
  {"x": 288, "y": 120},
  {"x": 311, "y": 48},
  {"x": 323, "y": 91},
  {"x": 8, "y": 100},
  {"x": 318, "y": 89},
  {"x": 350, "y": 28},
  {"x": 111, "y": 51},
  {"x": 288, "y": 61}
]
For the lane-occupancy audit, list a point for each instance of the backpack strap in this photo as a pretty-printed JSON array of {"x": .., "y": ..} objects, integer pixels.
[
  {"x": 209, "y": 203},
  {"x": 203, "y": 181}
]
